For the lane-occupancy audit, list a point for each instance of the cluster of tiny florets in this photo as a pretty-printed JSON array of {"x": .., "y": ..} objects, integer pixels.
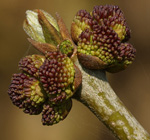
[
  {"x": 31, "y": 64},
  {"x": 52, "y": 114},
  {"x": 126, "y": 52},
  {"x": 45, "y": 85},
  {"x": 102, "y": 42},
  {"x": 113, "y": 17},
  {"x": 57, "y": 76},
  {"x": 66, "y": 47},
  {"x": 83, "y": 19},
  {"x": 102, "y": 33},
  {"x": 25, "y": 92}
]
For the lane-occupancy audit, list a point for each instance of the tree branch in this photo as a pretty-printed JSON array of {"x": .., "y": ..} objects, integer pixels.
[{"x": 99, "y": 97}]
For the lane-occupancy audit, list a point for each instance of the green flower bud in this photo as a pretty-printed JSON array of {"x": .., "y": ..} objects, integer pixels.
[
  {"x": 57, "y": 76},
  {"x": 31, "y": 64},
  {"x": 66, "y": 47},
  {"x": 26, "y": 93},
  {"x": 53, "y": 114}
]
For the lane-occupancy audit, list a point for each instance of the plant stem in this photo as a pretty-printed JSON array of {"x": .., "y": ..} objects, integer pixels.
[{"x": 99, "y": 97}]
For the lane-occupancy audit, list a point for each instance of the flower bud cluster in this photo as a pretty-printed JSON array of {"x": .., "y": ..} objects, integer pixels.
[
  {"x": 126, "y": 52},
  {"x": 102, "y": 34},
  {"x": 53, "y": 114},
  {"x": 66, "y": 47},
  {"x": 31, "y": 64},
  {"x": 45, "y": 85},
  {"x": 57, "y": 76},
  {"x": 102, "y": 43},
  {"x": 113, "y": 17},
  {"x": 25, "y": 92}
]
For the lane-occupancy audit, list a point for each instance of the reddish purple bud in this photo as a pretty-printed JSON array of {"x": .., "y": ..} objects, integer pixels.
[
  {"x": 57, "y": 76},
  {"x": 25, "y": 92},
  {"x": 31, "y": 64},
  {"x": 53, "y": 114}
]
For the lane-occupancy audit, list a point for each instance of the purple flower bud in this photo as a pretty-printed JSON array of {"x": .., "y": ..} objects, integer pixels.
[
  {"x": 57, "y": 76},
  {"x": 53, "y": 114},
  {"x": 31, "y": 64},
  {"x": 26, "y": 93}
]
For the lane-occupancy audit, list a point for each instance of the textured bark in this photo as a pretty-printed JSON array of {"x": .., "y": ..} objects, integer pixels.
[{"x": 99, "y": 97}]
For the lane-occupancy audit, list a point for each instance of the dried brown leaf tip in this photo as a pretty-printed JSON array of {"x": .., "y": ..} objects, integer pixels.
[{"x": 102, "y": 34}]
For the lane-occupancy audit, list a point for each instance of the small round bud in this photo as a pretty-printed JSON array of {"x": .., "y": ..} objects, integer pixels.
[
  {"x": 57, "y": 76},
  {"x": 126, "y": 52},
  {"x": 66, "y": 47},
  {"x": 31, "y": 64},
  {"x": 126, "y": 55},
  {"x": 25, "y": 92},
  {"x": 53, "y": 114}
]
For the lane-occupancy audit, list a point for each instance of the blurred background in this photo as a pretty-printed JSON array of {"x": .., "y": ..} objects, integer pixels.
[{"x": 131, "y": 85}]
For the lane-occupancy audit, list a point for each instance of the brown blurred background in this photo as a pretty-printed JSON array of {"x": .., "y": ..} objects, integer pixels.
[{"x": 131, "y": 85}]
